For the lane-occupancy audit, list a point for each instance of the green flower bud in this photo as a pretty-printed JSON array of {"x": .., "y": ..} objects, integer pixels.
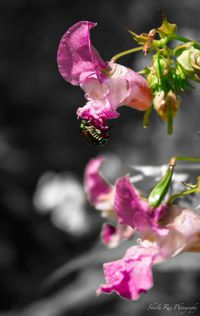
[
  {"x": 152, "y": 78},
  {"x": 161, "y": 65},
  {"x": 162, "y": 102},
  {"x": 161, "y": 188},
  {"x": 189, "y": 60}
]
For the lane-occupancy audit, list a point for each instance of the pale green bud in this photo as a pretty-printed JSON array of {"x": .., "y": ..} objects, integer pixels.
[
  {"x": 189, "y": 60},
  {"x": 162, "y": 102}
]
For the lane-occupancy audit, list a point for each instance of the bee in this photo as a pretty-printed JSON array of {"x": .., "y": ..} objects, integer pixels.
[{"x": 93, "y": 134}]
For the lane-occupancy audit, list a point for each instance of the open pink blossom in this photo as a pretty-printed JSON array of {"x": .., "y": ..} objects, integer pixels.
[{"x": 107, "y": 85}]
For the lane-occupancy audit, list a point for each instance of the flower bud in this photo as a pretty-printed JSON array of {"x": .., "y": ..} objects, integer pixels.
[
  {"x": 161, "y": 188},
  {"x": 162, "y": 102},
  {"x": 161, "y": 65},
  {"x": 189, "y": 60}
]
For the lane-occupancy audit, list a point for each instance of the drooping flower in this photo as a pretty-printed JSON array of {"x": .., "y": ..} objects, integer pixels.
[{"x": 107, "y": 85}]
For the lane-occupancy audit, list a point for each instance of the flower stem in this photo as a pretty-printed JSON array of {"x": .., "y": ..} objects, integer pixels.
[
  {"x": 146, "y": 117},
  {"x": 170, "y": 120},
  {"x": 184, "y": 40},
  {"x": 141, "y": 72},
  {"x": 181, "y": 194},
  {"x": 187, "y": 158},
  {"x": 126, "y": 52}
]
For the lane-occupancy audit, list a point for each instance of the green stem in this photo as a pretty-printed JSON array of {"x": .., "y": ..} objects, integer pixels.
[
  {"x": 170, "y": 120},
  {"x": 187, "y": 158},
  {"x": 126, "y": 52},
  {"x": 146, "y": 117},
  {"x": 141, "y": 72},
  {"x": 181, "y": 194},
  {"x": 184, "y": 40}
]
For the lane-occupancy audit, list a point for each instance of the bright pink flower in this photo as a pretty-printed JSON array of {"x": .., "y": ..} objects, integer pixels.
[
  {"x": 107, "y": 85},
  {"x": 133, "y": 210}
]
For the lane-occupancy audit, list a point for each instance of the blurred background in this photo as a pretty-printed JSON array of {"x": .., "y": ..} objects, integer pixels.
[{"x": 50, "y": 253}]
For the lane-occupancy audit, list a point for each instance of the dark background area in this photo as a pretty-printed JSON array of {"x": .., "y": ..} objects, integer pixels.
[{"x": 39, "y": 133}]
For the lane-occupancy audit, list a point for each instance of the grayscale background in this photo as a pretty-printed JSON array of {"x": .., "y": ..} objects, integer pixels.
[{"x": 45, "y": 221}]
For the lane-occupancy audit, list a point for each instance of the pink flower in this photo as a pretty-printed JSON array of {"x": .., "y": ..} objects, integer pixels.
[
  {"x": 107, "y": 85},
  {"x": 132, "y": 275},
  {"x": 165, "y": 232}
]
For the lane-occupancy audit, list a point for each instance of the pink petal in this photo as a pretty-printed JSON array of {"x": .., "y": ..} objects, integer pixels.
[
  {"x": 107, "y": 233},
  {"x": 97, "y": 112},
  {"x": 111, "y": 236},
  {"x": 132, "y": 275},
  {"x": 186, "y": 223},
  {"x": 133, "y": 210},
  {"x": 76, "y": 54},
  {"x": 97, "y": 189},
  {"x": 140, "y": 97}
]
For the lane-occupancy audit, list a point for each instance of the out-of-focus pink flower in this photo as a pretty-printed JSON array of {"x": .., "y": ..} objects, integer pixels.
[
  {"x": 133, "y": 210},
  {"x": 165, "y": 232},
  {"x": 99, "y": 193},
  {"x": 107, "y": 85},
  {"x": 131, "y": 275}
]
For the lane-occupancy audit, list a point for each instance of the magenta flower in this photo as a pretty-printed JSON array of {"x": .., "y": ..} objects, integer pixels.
[{"x": 107, "y": 85}]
